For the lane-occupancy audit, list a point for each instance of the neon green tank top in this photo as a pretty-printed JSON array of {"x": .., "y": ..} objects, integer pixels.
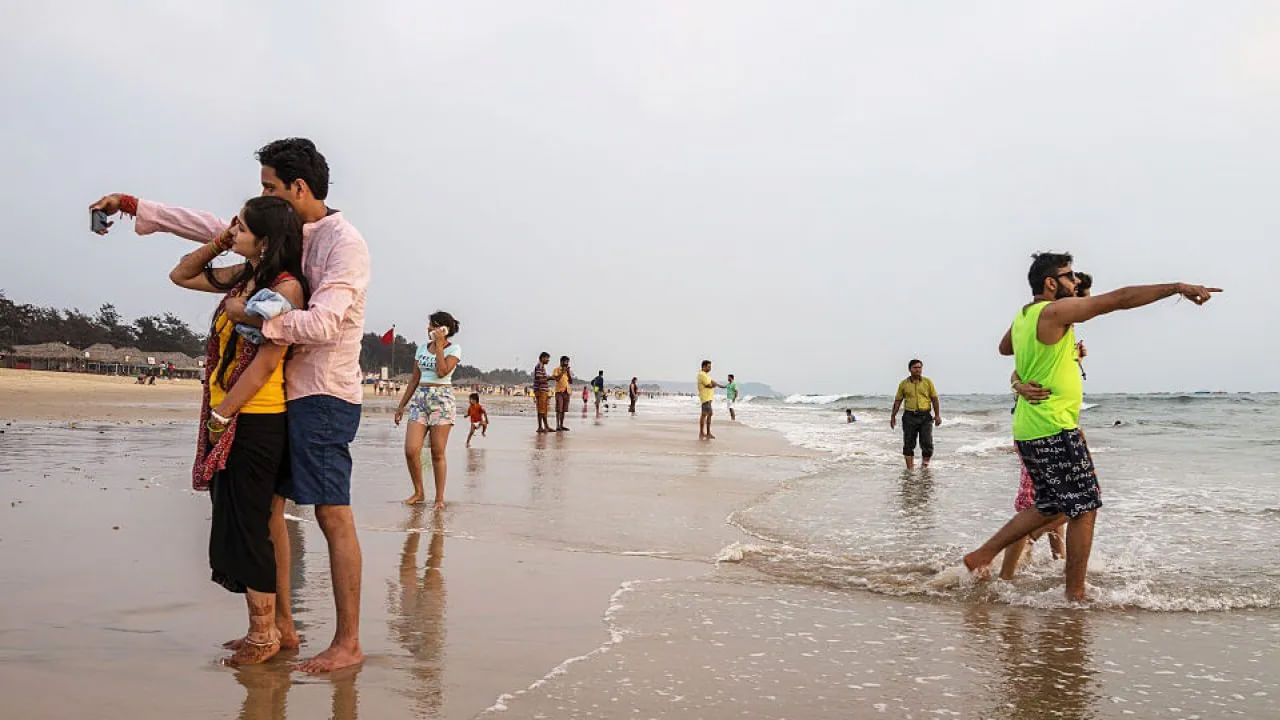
[{"x": 1054, "y": 367}]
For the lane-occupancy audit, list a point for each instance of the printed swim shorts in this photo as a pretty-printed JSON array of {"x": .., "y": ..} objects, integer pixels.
[
  {"x": 1062, "y": 474},
  {"x": 433, "y": 405}
]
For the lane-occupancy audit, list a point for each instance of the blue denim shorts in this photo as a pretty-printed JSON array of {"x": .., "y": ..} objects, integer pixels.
[{"x": 321, "y": 428}]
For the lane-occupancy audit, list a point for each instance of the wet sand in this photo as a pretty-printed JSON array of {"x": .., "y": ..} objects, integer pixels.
[{"x": 571, "y": 576}]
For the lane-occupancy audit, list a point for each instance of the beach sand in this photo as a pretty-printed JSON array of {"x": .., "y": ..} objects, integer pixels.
[{"x": 571, "y": 576}]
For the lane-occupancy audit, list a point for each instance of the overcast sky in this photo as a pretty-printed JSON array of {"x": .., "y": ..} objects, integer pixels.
[{"x": 809, "y": 194}]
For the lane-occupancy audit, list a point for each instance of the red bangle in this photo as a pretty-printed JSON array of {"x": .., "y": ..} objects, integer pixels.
[{"x": 129, "y": 205}]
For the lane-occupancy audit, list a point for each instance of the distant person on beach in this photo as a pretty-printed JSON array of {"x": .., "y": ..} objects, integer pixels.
[
  {"x": 242, "y": 455},
  {"x": 323, "y": 385},
  {"x": 478, "y": 416},
  {"x": 916, "y": 395},
  {"x": 586, "y": 397},
  {"x": 633, "y": 392},
  {"x": 848, "y": 416},
  {"x": 597, "y": 388},
  {"x": 1043, "y": 344},
  {"x": 429, "y": 398},
  {"x": 541, "y": 392},
  {"x": 564, "y": 380},
  {"x": 731, "y": 397},
  {"x": 706, "y": 394}
]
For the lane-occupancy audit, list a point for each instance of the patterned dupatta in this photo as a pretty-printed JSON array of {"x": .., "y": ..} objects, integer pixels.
[{"x": 212, "y": 458}]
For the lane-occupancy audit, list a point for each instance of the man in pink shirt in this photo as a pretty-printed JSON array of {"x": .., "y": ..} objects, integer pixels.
[{"x": 322, "y": 377}]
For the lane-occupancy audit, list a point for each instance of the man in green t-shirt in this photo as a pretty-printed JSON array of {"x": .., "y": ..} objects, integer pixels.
[
  {"x": 731, "y": 397},
  {"x": 1042, "y": 342}
]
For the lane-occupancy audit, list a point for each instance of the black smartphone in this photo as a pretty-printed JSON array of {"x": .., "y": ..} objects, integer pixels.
[{"x": 98, "y": 221}]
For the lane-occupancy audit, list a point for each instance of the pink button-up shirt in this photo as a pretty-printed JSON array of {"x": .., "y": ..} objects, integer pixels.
[{"x": 326, "y": 336}]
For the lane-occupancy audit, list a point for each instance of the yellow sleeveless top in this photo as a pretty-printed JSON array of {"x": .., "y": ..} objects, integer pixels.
[{"x": 268, "y": 400}]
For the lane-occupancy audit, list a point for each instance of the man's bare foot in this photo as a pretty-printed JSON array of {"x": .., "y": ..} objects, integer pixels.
[
  {"x": 710, "y": 436},
  {"x": 979, "y": 573},
  {"x": 439, "y": 505},
  {"x": 335, "y": 658},
  {"x": 414, "y": 499},
  {"x": 253, "y": 652}
]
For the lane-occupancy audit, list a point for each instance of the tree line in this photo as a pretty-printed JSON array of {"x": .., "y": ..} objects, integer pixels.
[
  {"x": 25, "y": 324},
  {"x": 374, "y": 355}
]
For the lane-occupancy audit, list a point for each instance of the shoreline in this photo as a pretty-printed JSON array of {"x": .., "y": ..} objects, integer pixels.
[{"x": 571, "y": 575}]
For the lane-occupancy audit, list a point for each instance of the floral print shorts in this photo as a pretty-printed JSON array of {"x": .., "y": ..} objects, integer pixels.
[{"x": 433, "y": 405}]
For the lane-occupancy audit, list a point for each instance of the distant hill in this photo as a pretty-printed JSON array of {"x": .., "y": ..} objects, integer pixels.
[{"x": 746, "y": 388}]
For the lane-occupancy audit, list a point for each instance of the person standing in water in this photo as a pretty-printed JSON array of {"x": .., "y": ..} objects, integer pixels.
[
  {"x": 429, "y": 398},
  {"x": 322, "y": 380},
  {"x": 564, "y": 379},
  {"x": 918, "y": 394},
  {"x": 597, "y": 388},
  {"x": 706, "y": 394},
  {"x": 1043, "y": 344},
  {"x": 633, "y": 391},
  {"x": 1026, "y": 497},
  {"x": 731, "y": 397},
  {"x": 541, "y": 391}
]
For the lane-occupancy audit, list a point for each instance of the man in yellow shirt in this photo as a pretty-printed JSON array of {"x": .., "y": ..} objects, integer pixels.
[
  {"x": 706, "y": 393},
  {"x": 916, "y": 395}
]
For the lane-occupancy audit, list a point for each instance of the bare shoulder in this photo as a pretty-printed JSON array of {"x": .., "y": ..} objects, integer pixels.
[{"x": 291, "y": 289}]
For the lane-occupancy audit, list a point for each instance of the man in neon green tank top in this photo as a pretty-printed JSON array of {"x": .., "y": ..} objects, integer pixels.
[{"x": 1042, "y": 341}]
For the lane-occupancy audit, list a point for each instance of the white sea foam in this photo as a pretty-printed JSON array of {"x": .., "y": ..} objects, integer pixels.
[{"x": 813, "y": 399}]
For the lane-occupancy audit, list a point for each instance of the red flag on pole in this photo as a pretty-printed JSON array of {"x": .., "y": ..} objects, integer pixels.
[{"x": 388, "y": 337}]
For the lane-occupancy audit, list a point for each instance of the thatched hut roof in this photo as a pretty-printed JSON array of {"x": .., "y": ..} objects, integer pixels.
[
  {"x": 47, "y": 351},
  {"x": 181, "y": 361}
]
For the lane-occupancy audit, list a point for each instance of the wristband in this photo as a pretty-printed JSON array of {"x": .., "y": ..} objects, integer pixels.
[
  {"x": 215, "y": 428},
  {"x": 222, "y": 420},
  {"x": 128, "y": 204}
]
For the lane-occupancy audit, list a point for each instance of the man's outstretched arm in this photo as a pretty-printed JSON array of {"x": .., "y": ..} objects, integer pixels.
[
  {"x": 1067, "y": 311},
  {"x": 195, "y": 225}
]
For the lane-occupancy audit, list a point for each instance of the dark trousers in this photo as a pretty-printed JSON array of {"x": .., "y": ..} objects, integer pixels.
[{"x": 917, "y": 424}]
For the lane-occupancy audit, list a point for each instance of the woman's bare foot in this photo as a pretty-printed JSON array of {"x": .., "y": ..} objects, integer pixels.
[
  {"x": 335, "y": 658},
  {"x": 414, "y": 499},
  {"x": 253, "y": 651},
  {"x": 439, "y": 505},
  {"x": 288, "y": 639}
]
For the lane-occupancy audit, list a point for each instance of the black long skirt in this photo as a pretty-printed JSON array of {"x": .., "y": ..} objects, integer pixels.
[{"x": 240, "y": 551}]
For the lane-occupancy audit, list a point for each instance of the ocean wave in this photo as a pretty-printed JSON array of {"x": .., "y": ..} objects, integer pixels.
[
  {"x": 815, "y": 399},
  {"x": 982, "y": 447}
]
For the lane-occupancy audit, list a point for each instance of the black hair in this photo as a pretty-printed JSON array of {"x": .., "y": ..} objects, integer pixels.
[
  {"x": 475, "y": 396},
  {"x": 443, "y": 319},
  {"x": 706, "y": 362},
  {"x": 730, "y": 376},
  {"x": 1044, "y": 266},
  {"x": 564, "y": 359},
  {"x": 276, "y": 224},
  {"x": 294, "y": 159},
  {"x": 600, "y": 373},
  {"x": 913, "y": 363},
  {"x": 546, "y": 355},
  {"x": 1084, "y": 282}
]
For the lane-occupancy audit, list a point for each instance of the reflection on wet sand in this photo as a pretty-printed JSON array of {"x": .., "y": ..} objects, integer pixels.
[
  {"x": 267, "y": 689},
  {"x": 416, "y": 607},
  {"x": 1045, "y": 662},
  {"x": 915, "y": 491}
]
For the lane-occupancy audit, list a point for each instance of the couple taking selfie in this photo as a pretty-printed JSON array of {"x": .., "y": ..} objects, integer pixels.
[{"x": 282, "y": 390}]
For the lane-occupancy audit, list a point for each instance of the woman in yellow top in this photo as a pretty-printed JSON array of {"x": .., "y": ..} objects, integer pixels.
[{"x": 242, "y": 451}]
